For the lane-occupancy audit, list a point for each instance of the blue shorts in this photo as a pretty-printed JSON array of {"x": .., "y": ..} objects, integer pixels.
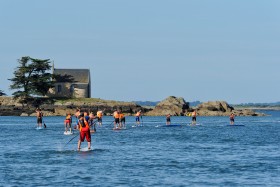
[{"x": 137, "y": 118}]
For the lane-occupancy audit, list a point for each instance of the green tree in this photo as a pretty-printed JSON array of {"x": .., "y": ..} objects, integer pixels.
[
  {"x": 31, "y": 78},
  {"x": 2, "y": 93}
]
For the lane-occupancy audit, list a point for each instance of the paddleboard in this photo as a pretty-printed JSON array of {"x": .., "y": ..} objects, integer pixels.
[
  {"x": 235, "y": 125},
  {"x": 117, "y": 128},
  {"x": 68, "y": 133},
  {"x": 85, "y": 149},
  {"x": 39, "y": 128},
  {"x": 172, "y": 125},
  {"x": 196, "y": 124},
  {"x": 137, "y": 126}
]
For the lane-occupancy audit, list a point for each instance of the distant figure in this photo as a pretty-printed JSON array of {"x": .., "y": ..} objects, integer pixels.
[
  {"x": 99, "y": 117},
  {"x": 68, "y": 122},
  {"x": 86, "y": 117},
  {"x": 84, "y": 132},
  {"x": 116, "y": 119},
  {"x": 194, "y": 114},
  {"x": 168, "y": 120},
  {"x": 231, "y": 118},
  {"x": 137, "y": 117},
  {"x": 77, "y": 114},
  {"x": 91, "y": 123},
  {"x": 39, "y": 115},
  {"x": 122, "y": 119}
]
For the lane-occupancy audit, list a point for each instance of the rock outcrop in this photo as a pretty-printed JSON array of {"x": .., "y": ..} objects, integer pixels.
[
  {"x": 59, "y": 107},
  {"x": 222, "y": 108},
  {"x": 171, "y": 105}
]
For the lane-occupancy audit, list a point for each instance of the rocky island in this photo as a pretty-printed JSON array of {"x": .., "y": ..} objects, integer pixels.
[{"x": 175, "y": 106}]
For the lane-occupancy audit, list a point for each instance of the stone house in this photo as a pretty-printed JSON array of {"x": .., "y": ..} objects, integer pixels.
[{"x": 71, "y": 83}]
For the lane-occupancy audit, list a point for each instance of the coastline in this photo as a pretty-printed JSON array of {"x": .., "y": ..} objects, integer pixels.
[{"x": 172, "y": 105}]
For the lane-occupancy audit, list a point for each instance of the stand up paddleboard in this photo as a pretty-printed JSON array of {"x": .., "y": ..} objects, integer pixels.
[
  {"x": 196, "y": 124},
  {"x": 116, "y": 129},
  {"x": 39, "y": 128},
  {"x": 68, "y": 133},
  {"x": 235, "y": 125},
  {"x": 85, "y": 149},
  {"x": 173, "y": 125}
]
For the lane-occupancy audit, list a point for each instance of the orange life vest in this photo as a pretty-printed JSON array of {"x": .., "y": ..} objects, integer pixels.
[
  {"x": 121, "y": 115},
  {"x": 116, "y": 115},
  {"x": 86, "y": 126}
]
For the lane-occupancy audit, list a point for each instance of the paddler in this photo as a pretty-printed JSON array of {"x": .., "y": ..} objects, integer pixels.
[
  {"x": 137, "y": 117},
  {"x": 99, "y": 115},
  {"x": 91, "y": 123},
  {"x": 231, "y": 118},
  {"x": 122, "y": 119},
  {"x": 194, "y": 114},
  {"x": 168, "y": 120},
  {"x": 39, "y": 115},
  {"x": 77, "y": 114},
  {"x": 84, "y": 132},
  {"x": 68, "y": 122},
  {"x": 116, "y": 119}
]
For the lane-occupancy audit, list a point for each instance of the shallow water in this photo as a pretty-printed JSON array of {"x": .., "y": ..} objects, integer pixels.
[{"x": 211, "y": 154}]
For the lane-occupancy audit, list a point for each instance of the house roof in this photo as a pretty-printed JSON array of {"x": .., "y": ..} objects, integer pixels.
[{"x": 78, "y": 75}]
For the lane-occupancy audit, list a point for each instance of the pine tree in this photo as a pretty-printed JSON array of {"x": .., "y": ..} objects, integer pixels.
[{"x": 31, "y": 78}]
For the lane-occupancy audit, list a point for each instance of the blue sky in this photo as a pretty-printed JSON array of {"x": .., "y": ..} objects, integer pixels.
[{"x": 151, "y": 49}]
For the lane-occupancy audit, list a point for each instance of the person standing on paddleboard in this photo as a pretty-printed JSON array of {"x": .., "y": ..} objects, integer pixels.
[
  {"x": 122, "y": 119},
  {"x": 39, "y": 115},
  {"x": 231, "y": 118},
  {"x": 86, "y": 117},
  {"x": 91, "y": 123},
  {"x": 77, "y": 114},
  {"x": 116, "y": 119},
  {"x": 137, "y": 117},
  {"x": 68, "y": 122},
  {"x": 99, "y": 115},
  {"x": 168, "y": 120},
  {"x": 194, "y": 114},
  {"x": 84, "y": 132}
]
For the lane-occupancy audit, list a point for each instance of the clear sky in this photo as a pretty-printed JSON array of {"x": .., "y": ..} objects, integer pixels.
[{"x": 151, "y": 49}]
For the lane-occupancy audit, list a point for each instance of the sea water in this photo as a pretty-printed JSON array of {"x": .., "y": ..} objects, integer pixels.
[{"x": 211, "y": 154}]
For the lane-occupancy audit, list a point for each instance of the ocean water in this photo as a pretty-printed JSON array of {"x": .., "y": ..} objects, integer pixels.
[{"x": 210, "y": 154}]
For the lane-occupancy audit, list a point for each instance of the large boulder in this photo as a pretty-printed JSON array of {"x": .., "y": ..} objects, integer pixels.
[
  {"x": 222, "y": 108},
  {"x": 175, "y": 106},
  {"x": 218, "y": 106}
]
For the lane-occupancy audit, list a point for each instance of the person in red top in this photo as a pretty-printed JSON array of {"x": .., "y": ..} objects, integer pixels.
[{"x": 84, "y": 132}]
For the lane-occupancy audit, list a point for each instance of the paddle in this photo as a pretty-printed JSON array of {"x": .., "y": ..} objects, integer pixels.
[
  {"x": 78, "y": 134},
  {"x": 45, "y": 126},
  {"x": 142, "y": 121},
  {"x": 112, "y": 122}
]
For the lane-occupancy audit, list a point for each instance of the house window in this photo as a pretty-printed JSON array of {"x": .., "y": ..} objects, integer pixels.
[{"x": 58, "y": 88}]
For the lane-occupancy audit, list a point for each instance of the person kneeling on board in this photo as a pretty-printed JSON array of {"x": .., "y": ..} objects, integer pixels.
[{"x": 84, "y": 132}]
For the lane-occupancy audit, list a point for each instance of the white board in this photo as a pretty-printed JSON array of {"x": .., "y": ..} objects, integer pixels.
[{"x": 68, "y": 133}]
